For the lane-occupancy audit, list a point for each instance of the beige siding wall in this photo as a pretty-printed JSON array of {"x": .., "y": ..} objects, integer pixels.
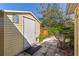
[
  {"x": 37, "y": 28},
  {"x": 13, "y": 35},
  {"x": 1, "y": 34},
  {"x": 29, "y": 16},
  {"x": 36, "y": 22},
  {"x": 77, "y": 31}
]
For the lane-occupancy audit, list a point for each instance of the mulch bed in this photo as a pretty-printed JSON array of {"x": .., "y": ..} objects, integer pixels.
[{"x": 65, "y": 50}]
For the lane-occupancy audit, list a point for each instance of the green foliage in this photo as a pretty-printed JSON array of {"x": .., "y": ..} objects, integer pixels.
[
  {"x": 54, "y": 19},
  {"x": 55, "y": 29},
  {"x": 51, "y": 14},
  {"x": 52, "y": 31},
  {"x": 41, "y": 37},
  {"x": 68, "y": 32}
]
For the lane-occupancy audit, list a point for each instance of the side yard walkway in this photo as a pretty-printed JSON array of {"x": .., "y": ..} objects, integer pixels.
[{"x": 49, "y": 47}]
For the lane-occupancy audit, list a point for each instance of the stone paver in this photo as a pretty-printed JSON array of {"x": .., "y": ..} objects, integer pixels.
[
  {"x": 49, "y": 47},
  {"x": 24, "y": 54},
  {"x": 41, "y": 52}
]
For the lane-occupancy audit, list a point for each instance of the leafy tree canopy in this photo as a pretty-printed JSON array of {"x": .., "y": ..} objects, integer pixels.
[{"x": 51, "y": 14}]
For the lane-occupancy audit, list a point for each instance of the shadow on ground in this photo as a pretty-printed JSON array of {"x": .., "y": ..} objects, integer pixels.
[{"x": 32, "y": 50}]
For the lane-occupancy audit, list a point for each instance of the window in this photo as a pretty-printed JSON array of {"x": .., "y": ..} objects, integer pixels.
[{"x": 15, "y": 19}]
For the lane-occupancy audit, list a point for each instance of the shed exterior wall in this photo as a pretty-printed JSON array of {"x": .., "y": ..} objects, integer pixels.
[
  {"x": 37, "y": 28},
  {"x": 13, "y": 35},
  {"x": 75, "y": 8},
  {"x": 1, "y": 33},
  {"x": 76, "y": 31}
]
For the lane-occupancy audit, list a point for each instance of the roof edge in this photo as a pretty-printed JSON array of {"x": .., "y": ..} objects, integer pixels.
[{"x": 21, "y": 12}]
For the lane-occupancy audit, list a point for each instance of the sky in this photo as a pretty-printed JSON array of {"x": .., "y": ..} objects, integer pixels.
[{"x": 24, "y": 7}]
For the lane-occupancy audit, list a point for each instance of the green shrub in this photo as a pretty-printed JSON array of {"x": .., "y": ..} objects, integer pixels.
[
  {"x": 68, "y": 32},
  {"x": 41, "y": 37},
  {"x": 55, "y": 29},
  {"x": 52, "y": 31}
]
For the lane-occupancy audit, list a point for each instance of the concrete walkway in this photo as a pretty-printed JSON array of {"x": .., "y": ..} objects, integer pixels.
[{"x": 49, "y": 48}]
